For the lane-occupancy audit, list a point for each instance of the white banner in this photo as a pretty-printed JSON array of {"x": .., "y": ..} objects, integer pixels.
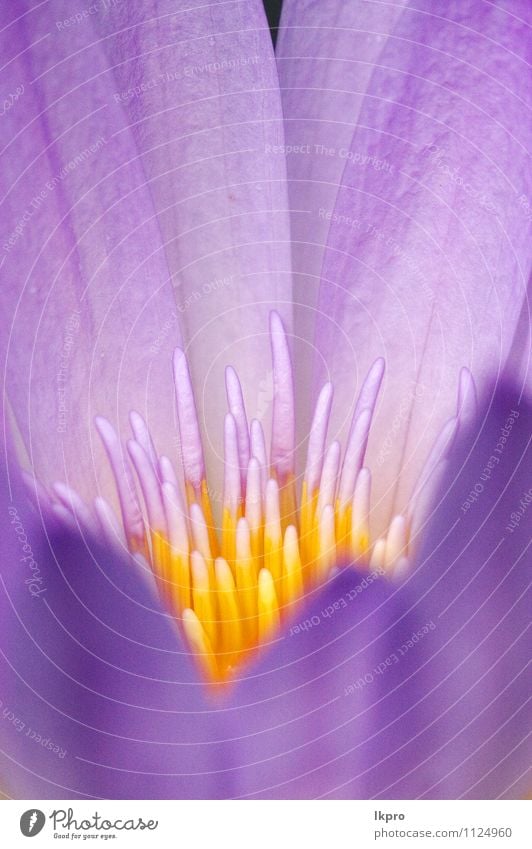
[{"x": 268, "y": 824}]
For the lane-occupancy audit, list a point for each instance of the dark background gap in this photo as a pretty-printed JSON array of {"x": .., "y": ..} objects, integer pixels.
[{"x": 273, "y": 11}]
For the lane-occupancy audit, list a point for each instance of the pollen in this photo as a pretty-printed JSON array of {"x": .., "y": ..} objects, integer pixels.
[{"x": 232, "y": 573}]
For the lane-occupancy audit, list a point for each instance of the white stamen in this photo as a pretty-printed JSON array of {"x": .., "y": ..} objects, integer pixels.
[
  {"x": 329, "y": 475},
  {"x": 189, "y": 431},
  {"x": 235, "y": 400},
  {"x": 283, "y": 420},
  {"x": 317, "y": 438}
]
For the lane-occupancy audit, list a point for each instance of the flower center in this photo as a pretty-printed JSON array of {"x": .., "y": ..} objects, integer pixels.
[{"x": 231, "y": 586}]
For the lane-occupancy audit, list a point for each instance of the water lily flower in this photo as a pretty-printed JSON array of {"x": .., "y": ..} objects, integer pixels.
[{"x": 266, "y": 419}]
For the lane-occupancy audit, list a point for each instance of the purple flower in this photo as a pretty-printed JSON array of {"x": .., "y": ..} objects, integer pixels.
[{"x": 338, "y": 607}]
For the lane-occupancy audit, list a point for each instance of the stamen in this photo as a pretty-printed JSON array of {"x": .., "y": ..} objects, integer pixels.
[
  {"x": 367, "y": 398},
  {"x": 166, "y": 472},
  {"x": 396, "y": 541},
  {"x": 65, "y": 517},
  {"x": 176, "y": 522},
  {"x": 231, "y": 641},
  {"x": 273, "y": 541},
  {"x": 129, "y": 504},
  {"x": 269, "y": 620},
  {"x": 360, "y": 535},
  {"x": 258, "y": 450},
  {"x": 439, "y": 451},
  {"x": 189, "y": 431},
  {"x": 232, "y": 492},
  {"x": 246, "y": 582},
  {"x": 178, "y": 578},
  {"x": 149, "y": 485},
  {"x": 421, "y": 502},
  {"x": 359, "y": 433},
  {"x": 283, "y": 422},
  {"x": 466, "y": 406},
  {"x": 200, "y": 533},
  {"x": 292, "y": 584},
  {"x": 111, "y": 529},
  {"x": 231, "y": 583},
  {"x": 81, "y": 513},
  {"x": 378, "y": 556},
  {"x": 354, "y": 456},
  {"x": 253, "y": 507},
  {"x": 203, "y": 596},
  {"x": 317, "y": 438},
  {"x": 329, "y": 475},
  {"x": 326, "y": 544},
  {"x": 200, "y": 644},
  {"x": 143, "y": 437},
  {"x": 235, "y": 401}
]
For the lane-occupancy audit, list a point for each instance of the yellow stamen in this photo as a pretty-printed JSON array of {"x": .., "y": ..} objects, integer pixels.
[
  {"x": 246, "y": 581},
  {"x": 179, "y": 570},
  {"x": 234, "y": 579},
  {"x": 292, "y": 584},
  {"x": 269, "y": 620},
  {"x": 209, "y": 520},
  {"x": 235, "y": 585},
  {"x": 203, "y": 596},
  {"x": 200, "y": 644},
  {"x": 231, "y": 638},
  {"x": 326, "y": 543}
]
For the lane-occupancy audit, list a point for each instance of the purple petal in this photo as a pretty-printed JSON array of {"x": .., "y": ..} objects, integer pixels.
[
  {"x": 408, "y": 690},
  {"x": 475, "y": 565},
  {"x": 99, "y": 696},
  {"x": 325, "y": 54},
  {"x": 200, "y": 87},
  {"x": 89, "y": 311},
  {"x": 427, "y": 255},
  {"x": 519, "y": 363}
]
